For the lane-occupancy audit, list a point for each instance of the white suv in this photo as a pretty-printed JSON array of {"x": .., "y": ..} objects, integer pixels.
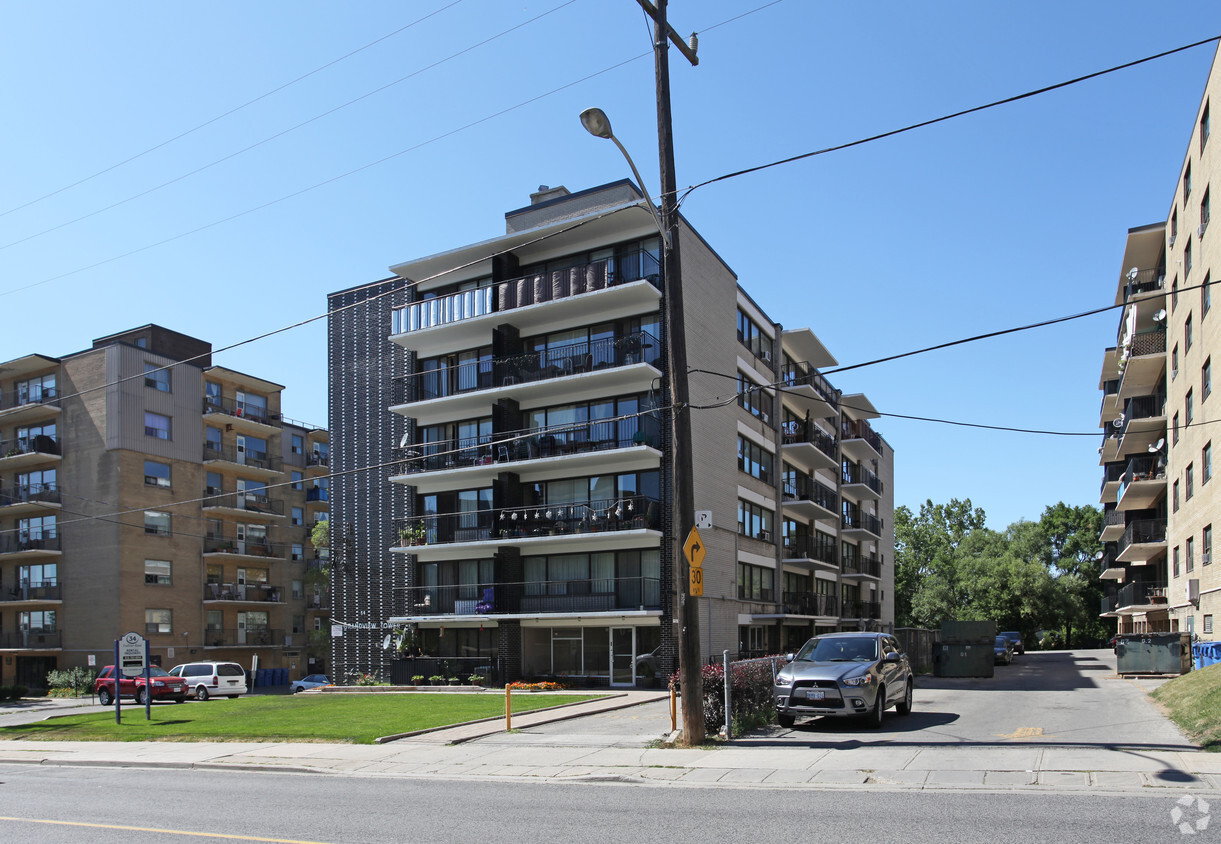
[{"x": 212, "y": 679}]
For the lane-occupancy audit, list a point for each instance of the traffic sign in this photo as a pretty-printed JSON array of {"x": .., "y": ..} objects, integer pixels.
[
  {"x": 131, "y": 655},
  {"x": 696, "y": 582},
  {"x": 693, "y": 548}
]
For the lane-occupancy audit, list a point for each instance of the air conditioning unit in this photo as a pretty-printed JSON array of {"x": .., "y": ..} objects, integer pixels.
[
  {"x": 1206, "y": 557},
  {"x": 765, "y": 535},
  {"x": 1193, "y": 590},
  {"x": 766, "y": 355}
]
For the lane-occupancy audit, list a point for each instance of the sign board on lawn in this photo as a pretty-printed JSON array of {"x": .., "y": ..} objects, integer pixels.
[{"x": 131, "y": 655}]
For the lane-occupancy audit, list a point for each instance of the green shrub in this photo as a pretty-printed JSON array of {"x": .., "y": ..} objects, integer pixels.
[
  {"x": 750, "y": 694},
  {"x": 72, "y": 682},
  {"x": 13, "y": 692}
]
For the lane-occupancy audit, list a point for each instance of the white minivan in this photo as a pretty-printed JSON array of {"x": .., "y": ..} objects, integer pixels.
[{"x": 212, "y": 679}]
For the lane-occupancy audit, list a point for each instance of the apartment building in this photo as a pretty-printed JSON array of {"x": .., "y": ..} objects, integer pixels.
[
  {"x": 528, "y": 497},
  {"x": 1158, "y": 494},
  {"x": 144, "y": 489}
]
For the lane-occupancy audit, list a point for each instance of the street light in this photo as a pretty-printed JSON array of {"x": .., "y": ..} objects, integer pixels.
[{"x": 598, "y": 124}]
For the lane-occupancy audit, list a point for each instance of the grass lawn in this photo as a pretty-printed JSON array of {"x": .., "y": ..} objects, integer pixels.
[
  {"x": 1193, "y": 702},
  {"x": 354, "y": 719}
]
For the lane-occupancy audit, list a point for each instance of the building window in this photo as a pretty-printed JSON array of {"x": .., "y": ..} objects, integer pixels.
[
  {"x": 298, "y": 590},
  {"x": 1174, "y": 430},
  {"x": 754, "y": 460},
  {"x": 1205, "y": 212},
  {"x": 298, "y": 624},
  {"x": 156, "y": 474},
  {"x": 1187, "y": 261},
  {"x": 1174, "y": 294},
  {"x": 156, "y": 425},
  {"x": 755, "y": 583},
  {"x": 298, "y": 477},
  {"x": 1175, "y": 498},
  {"x": 1208, "y": 623},
  {"x": 754, "y": 521},
  {"x": 753, "y": 398},
  {"x": 1206, "y": 463},
  {"x": 298, "y": 551},
  {"x": 42, "y": 621},
  {"x": 212, "y": 399},
  {"x": 1187, "y": 181},
  {"x": 1187, "y": 335},
  {"x": 1190, "y": 557},
  {"x": 157, "y": 377},
  {"x": 1206, "y": 379},
  {"x": 298, "y": 516},
  {"x": 321, "y": 516},
  {"x": 298, "y": 444},
  {"x": 1189, "y": 481},
  {"x": 1206, "y": 546},
  {"x": 1175, "y": 571},
  {"x": 752, "y": 337},
  {"x": 158, "y": 621},
  {"x": 35, "y": 390},
  {"x": 156, "y": 523},
  {"x": 1205, "y": 128},
  {"x": 157, "y": 572},
  {"x": 1189, "y": 407},
  {"x": 1174, "y": 362}
]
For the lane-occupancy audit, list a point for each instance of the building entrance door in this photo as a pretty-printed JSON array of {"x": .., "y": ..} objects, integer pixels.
[{"x": 623, "y": 656}]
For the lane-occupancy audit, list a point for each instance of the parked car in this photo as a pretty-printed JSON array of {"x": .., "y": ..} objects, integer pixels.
[
  {"x": 845, "y": 675},
  {"x": 311, "y": 681},
  {"x": 212, "y": 679},
  {"x": 1015, "y": 638},
  {"x": 164, "y": 686},
  {"x": 1003, "y": 650}
]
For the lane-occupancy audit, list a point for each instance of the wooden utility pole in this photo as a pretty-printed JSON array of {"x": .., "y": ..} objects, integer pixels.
[{"x": 683, "y": 520}]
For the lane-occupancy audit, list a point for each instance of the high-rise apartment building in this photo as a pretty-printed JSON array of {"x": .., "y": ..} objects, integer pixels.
[
  {"x": 1159, "y": 496},
  {"x": 144, "y": 489},
  {"x": 525, "y": 412}
]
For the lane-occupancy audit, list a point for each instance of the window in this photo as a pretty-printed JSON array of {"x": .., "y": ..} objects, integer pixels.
[
  {"x": 298, "y": 516},
  {"x": 1205, "y": 128},
  {"x": 156, "y": 425},
  {"x": 754, "y": 460},
  {"x": 1174, "y": 362},
  {"x": 1174, "y": 294},
  {"x": 1205, "y": 212},
  {"x": 1189, "y": 407},
  {"x": 1187, "y": 259},
  {"x": 1206, "y": 463},
  {"x": 156, "y": 523},
  {"x": 1206, "y": 379},
  {"x": 298, "y": 444},
  {"x": 1208, "y": 623},
  {"x": 752, "y": 337},
  {"x": 141, "y": 342},
  {"x": 157, "y": 572},
  {"x": 212, "y": 399},
  {"x": 755, "y": 583},
  {"x": 35, "y": 390},
  {"x": 753, "y": 398},
  {"x": 298, "y": 624},
  {"x": 1187, "y": 181},
  {"x": 298, "y": 477},
  {"x": 321, "y": 516},
  {"x": 1206, "y": 296},
  {"x": 754, "y": 521},
  {"x": 1174, "y": 430},
  {"x": 1189, "y": 481},
  {"x": 1175, "y": 498},
  {"x": 157, "y": 377},
  {"x": 38, "y": 576},
  {"x": 212, "y": 484},
  {"x": 1174, "y": 226},
  {"x": 1175, "y": 571},
  {"x": 37, "y": 622},
  {"x": 158, "y": 621},
  {"x": 156, "y": 474},
  {"x": 1206, "y": 545},
  {"x": 212, "y": 439},
  {"x": 298, "y": 590},
  {"x": 1189, "y": 559},
  {"x": 1187, "y": 335},
  {"x": 298, "y": 552}
]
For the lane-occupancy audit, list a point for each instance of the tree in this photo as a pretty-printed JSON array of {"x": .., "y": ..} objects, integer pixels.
[{"x": 926, "y": 590}]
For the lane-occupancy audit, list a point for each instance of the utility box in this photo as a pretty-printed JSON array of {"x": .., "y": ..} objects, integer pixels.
[
  {"x": 1153, "y": 653},
  {"x": 966, "y": 649}
]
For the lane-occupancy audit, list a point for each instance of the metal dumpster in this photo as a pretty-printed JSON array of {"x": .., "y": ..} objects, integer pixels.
[
  {"x": 967, "y": 649},
  {"x": 1153, "y": 653}
]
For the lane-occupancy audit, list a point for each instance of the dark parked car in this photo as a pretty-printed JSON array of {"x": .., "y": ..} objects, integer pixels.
[
  {"x": 845, "y": 674},
  {"x": 1003, "y": 651},
  {"x": 1015, "y": 638},
  {"x": 164, "y": 686}
]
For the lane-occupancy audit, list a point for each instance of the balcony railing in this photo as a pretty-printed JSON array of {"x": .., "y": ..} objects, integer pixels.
[
  {"x": 1144, "y": 531},
  {"x": 1146, "y": 281},
  {"x": 794, "y": 433},
  {"x": 1143, "y": 343},
  {"x": 39, "y": 444},
  {"x": 546, "y": 596},
  {"x": 248, "y": 637},
  {"x": 1146, "y": 467},
  {"x": 42, "y": 591},
  {"x": 533, "y": 289},
  {"x": 632, "y": 513},
  {"x": 241, "y": 410},
  {"x": 253, "y": 459},
  {"x": 856, "y": 563},
  {"x": 26, "y": 398},
  {"x": 803, "y": 375},
  {"x": 805, "y": 488},
  {"x": 32, "y": 639},
  {"x": 818, "y": 546},
  {"x": 1113, "y": 472},
  {"x": 47, "y": 493},
  {"x": 861, "y": 609},
  {"x": 1109, "y": 604},
  {"x": 856, "y": 520},
  {"x": 318, "y": 602},
  {"x": 316, "y": 459},
  {"x": 246, "y": 547},
  {"x": 804, "y": 603},
  {"x": 265, "y": 592},
  {"x": 859, "y": 429},
  {"x": 15, "y": 544},
  {"x": 1141, "y": 594},
  {"x": 855, "y": 473},
  {"x": 1112, "y": 518},
  {"x": 252, "y": 502}
]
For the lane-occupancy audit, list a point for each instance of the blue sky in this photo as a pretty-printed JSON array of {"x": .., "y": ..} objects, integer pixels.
[{"x": 997, "y": 219}]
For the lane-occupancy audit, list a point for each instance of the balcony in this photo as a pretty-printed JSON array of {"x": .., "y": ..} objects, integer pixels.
[
  {"x": 592, "y": 369},
  {"x": 1108, "y": 451},
  {"x": 539, "y": 529},
  {"x": 810, "y": 446},
  {"x": 806, "y": 498},
  {"x": 1113, "y": 523},
  {"x": 624, "y": 284},
  {"x": 1146, "y": 282},
  {"x": 245, "y": 504},
  {"x": 861, "y": 609},
  {"x": 1112, "y": 477},
  {"x": 1143, "y": 483},
  {"x": 548, "y": 597},
  {"x": 1110, "y": 407},
  {"x": 809, "y": 390},
  {"x": 805, "y": 603},
  {"x": 242, "y": 638},
  {"x": 17, "y": 408},
  {"x": 33, "y": 640},
  {"x": 625, "y": 445},
  {"x": 243, "y": 547},
  {"x": 33, "y": 593},
  {"x": 1143, "y": 423},
  {"x": 1142, "y": 540},
  {"x": 1109, "y": 604},
  {"x": 257, "y": 462},
  {"x": 264, "y": 593},
  {"x": 314, "y": 460},
  {"x": 1142, "y": 363},
  {"x": 817, "y": 547},
  {"x": 853, "y": 522},
  {"x": 856, "y": 475},
  {"x": 17, "y": 453},
  {"x": 856, "y": 564},
  {"x": 855, "y": 435},
  {"x": 27, "y": 546},
  {"x": 243, "y": 415},
  {"x": 318, "y": 601},
  {"x": 29, "y": 498},
  {"x": 1140, "y": 597}
]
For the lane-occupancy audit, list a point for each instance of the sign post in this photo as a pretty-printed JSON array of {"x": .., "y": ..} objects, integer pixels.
[
  {"x": 694, "y": 551},
  {"x": 131, "y": 660}
]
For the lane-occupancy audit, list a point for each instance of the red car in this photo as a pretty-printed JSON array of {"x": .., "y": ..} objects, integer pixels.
[{"x": 164, "y": 686}]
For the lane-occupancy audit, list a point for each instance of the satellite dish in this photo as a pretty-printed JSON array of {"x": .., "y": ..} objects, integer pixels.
[
  {"x": 1132, "y": 273},
  {"x": 1157, "y": 446},
  {"x": 386, "y": 643},
  {"x": 1160, "y": 315},
  {"x": 405, "y": 441},
  {"x": 1118, "y": 423}
]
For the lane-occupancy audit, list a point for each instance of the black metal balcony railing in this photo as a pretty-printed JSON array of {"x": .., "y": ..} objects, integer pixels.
[
  {"x": 861, "y": 609},
  {"x": 805, "y": 603},
  {"x": 18, "y": 543},
  {"x": 238, "y": 637},
  {"x": 854, "y": 562},
  {"x": 252, "y": 502},
  {"x": 1146, "y": 281},
  {"x": 1109, "y": 604},
  {"x": 1141, "y": 593},
  {"x": 1145, "y": 407},
  {"x": 41, "y": 591},
  {"x": 532, "y": 289},
  {"x": 316, "y": 459},
  {"x": 318, "y": 602},
  {"x": 47, "y": 493},
  {"x": 1113, "y": 518},
  {"x": 542, "y": 365},
  {"x": 39, "y": 444},
  {"x": 241, "y": 410},
  {"x": 859, "y": 429},
  {"x": 794, "y": 433},
  {"x": 805, "y": 488},
  {"x": 245, "y": 547},
  {"x": 1146, "y": 467},
  {"x": 1113, "y": 473},
  {"x": 855, "y": 473},
  {"x": 803, "y": 375},
  {"x": 264, "y": 592},
  {"x": 32, "y": 639},
  {"x": 817, "y": 546},
  {"x": 856, "y": 520},
  {"x": 633, "y": 513},
  {"x": 253, "y": 459},
  {"x": 1144, "y": 531},
  {"x": 25, "y": 398},
  {"x": 546, "y": 596}
]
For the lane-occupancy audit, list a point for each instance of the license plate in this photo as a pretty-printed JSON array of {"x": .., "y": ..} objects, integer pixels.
[{"x": 814, "y": 694}]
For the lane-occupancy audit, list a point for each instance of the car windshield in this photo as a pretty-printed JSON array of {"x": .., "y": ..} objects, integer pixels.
[
  {"x": 839, "y": 649},
  {"x": 1002, "y": 642},
  {"x": 154, "y": 671}
]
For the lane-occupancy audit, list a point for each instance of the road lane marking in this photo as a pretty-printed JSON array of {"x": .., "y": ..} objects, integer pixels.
[
  {"x": 160, "y": 831},
  {"x": 1024, "y": 733}
]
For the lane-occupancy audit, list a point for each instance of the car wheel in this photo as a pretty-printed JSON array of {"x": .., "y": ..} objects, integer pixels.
[
  {"x": 874, "y": 718},
  {"x": 201, "y": 693},
  {"x": 142, "y": 696},
  {"x": 904, "y": 707},
  {"x": 786, "y": 720},
  {"x": 105, "y": 697}
]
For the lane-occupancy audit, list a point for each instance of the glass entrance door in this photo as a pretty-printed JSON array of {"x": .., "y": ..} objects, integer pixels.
[{"x": 623, "y": 656}]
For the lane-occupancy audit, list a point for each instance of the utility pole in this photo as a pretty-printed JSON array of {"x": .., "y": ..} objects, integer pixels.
[{"x": 690, "y": 661}]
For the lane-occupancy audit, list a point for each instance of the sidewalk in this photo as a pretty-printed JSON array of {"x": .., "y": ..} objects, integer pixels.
[{"x": 618, "y": 740}]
